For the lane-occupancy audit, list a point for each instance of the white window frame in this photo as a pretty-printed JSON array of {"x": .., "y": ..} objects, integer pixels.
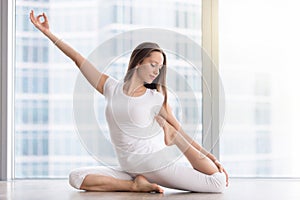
[
  {"x": 210, "y": 102},
  {"x": 7, "y": 35}
]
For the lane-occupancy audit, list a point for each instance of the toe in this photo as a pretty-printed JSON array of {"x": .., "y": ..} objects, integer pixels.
[{"x": 158, "y": 189}]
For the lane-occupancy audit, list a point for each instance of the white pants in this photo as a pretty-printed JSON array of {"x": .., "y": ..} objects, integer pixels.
[{"x": 174, "y": 176}]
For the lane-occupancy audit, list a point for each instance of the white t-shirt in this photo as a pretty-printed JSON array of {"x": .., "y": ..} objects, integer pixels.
[{"x": 133, "y": 128}]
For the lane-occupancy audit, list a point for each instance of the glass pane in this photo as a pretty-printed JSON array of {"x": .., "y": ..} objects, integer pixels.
[
  {"x": 46, "y": 142},
  {"x": 259, "y": 43}
]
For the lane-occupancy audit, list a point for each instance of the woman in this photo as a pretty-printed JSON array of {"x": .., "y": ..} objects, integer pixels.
[{"x": 144, "y": 87}]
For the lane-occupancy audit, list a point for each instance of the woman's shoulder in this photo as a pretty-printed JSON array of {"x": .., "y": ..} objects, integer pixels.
[
  {"x": 110, "y": 85},
  {"x": 111, "y": 80}
]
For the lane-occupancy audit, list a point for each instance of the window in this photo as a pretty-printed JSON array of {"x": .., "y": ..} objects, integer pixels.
[
  {"x": 260, "y": 73},
  {"x": 46, "y": 143}
]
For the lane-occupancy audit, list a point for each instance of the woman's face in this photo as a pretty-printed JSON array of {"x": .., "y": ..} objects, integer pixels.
[{"x": 149, "y": 69}]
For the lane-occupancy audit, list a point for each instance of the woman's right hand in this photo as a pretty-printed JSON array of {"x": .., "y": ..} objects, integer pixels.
[
  {"x": 42, "y": 26},
  {"x": 221, "y": 169}
]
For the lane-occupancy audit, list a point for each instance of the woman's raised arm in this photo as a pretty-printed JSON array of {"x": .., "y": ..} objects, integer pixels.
[{"x": 96, "y": 78}]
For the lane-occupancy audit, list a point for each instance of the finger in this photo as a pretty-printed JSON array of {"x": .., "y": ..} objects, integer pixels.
[
  {"x": 32, "y": 16},
  {"x": 221, "y": 169},
  {"x": 38, "y": 18},
  {"x": 227, "y": 182},
  {"x": 219, "y": 166},
  {"x": 227, "y": 177},
  {"x": 45, "y": 17}
]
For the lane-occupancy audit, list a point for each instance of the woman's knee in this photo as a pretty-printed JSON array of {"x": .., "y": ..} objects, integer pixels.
[
  {"x": 76, "y": 178},
  {"x": 218, "y": 182}
]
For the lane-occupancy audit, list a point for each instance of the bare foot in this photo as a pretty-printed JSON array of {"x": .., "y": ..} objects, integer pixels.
[
  {"x": 169, "y": 130},
  {"x": 141, "y": 184}
]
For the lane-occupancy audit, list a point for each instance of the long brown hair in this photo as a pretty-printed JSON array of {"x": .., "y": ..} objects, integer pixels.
[{"x": 138, "y": 55}]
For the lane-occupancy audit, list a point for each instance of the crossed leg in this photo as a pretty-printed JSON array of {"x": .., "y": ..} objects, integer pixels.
[
  {"x": 95, "y": 182},
  {"x": 204, "y": 171},
  {"x": 108, "y": 179}
]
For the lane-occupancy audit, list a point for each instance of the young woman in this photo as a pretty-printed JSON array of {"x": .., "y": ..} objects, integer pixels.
[{"x": 144, "y": 87}]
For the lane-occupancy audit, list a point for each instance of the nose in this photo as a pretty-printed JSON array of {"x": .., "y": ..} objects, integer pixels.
[{"x": 156, "y": 71}]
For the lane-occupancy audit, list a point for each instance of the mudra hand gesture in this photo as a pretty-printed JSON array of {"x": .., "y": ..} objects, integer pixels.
[{"x": 42, "y": 26}]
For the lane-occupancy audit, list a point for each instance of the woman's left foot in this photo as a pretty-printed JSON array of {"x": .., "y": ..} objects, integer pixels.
[{"x": 169, "y": 130}]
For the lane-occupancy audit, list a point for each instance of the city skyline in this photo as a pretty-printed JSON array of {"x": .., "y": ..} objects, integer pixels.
[{"x": 45, "y": 132}]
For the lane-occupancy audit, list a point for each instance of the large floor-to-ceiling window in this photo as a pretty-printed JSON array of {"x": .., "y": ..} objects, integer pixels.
[
  {"x": 46, "y": 140},
  {"x": 259, "y": 66}
]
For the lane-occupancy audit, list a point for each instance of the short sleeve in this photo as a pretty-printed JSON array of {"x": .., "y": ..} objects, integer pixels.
[{"x": 109, "y": 86}]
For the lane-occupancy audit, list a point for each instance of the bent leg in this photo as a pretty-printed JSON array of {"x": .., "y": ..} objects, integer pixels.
[
  {"x": 103, "y": 178},
  {"x": 186, "y": 178},
  {"x": 78, "y": 176},
  {"x": 197, "y": 159}
]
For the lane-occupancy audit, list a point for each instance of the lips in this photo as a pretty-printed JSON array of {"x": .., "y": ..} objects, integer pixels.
[{"x": 152, "y": 77}]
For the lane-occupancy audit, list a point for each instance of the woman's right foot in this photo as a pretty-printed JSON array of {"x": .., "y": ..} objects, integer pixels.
[{"x": 141, "y": 184}]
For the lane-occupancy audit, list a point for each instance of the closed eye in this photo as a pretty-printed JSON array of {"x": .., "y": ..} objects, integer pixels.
[{"x": 156, "y": 65}]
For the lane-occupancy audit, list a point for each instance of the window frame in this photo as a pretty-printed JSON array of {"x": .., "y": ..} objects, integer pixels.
[
  {"x": 7, "y": 36},
  {"x": 210, "y": 97}
]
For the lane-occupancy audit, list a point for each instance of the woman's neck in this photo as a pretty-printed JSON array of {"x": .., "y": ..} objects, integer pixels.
[{"x": 134, "y": 87}]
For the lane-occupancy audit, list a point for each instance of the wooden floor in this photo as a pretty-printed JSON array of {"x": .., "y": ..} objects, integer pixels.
[{"x": 240, "y": 189}]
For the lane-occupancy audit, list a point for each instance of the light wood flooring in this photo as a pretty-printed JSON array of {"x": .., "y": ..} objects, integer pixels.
[{"x": 240, "y": 189}]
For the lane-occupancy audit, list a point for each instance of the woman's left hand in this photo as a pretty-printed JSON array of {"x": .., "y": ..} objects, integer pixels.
[{"x": 221, "y": 169}]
